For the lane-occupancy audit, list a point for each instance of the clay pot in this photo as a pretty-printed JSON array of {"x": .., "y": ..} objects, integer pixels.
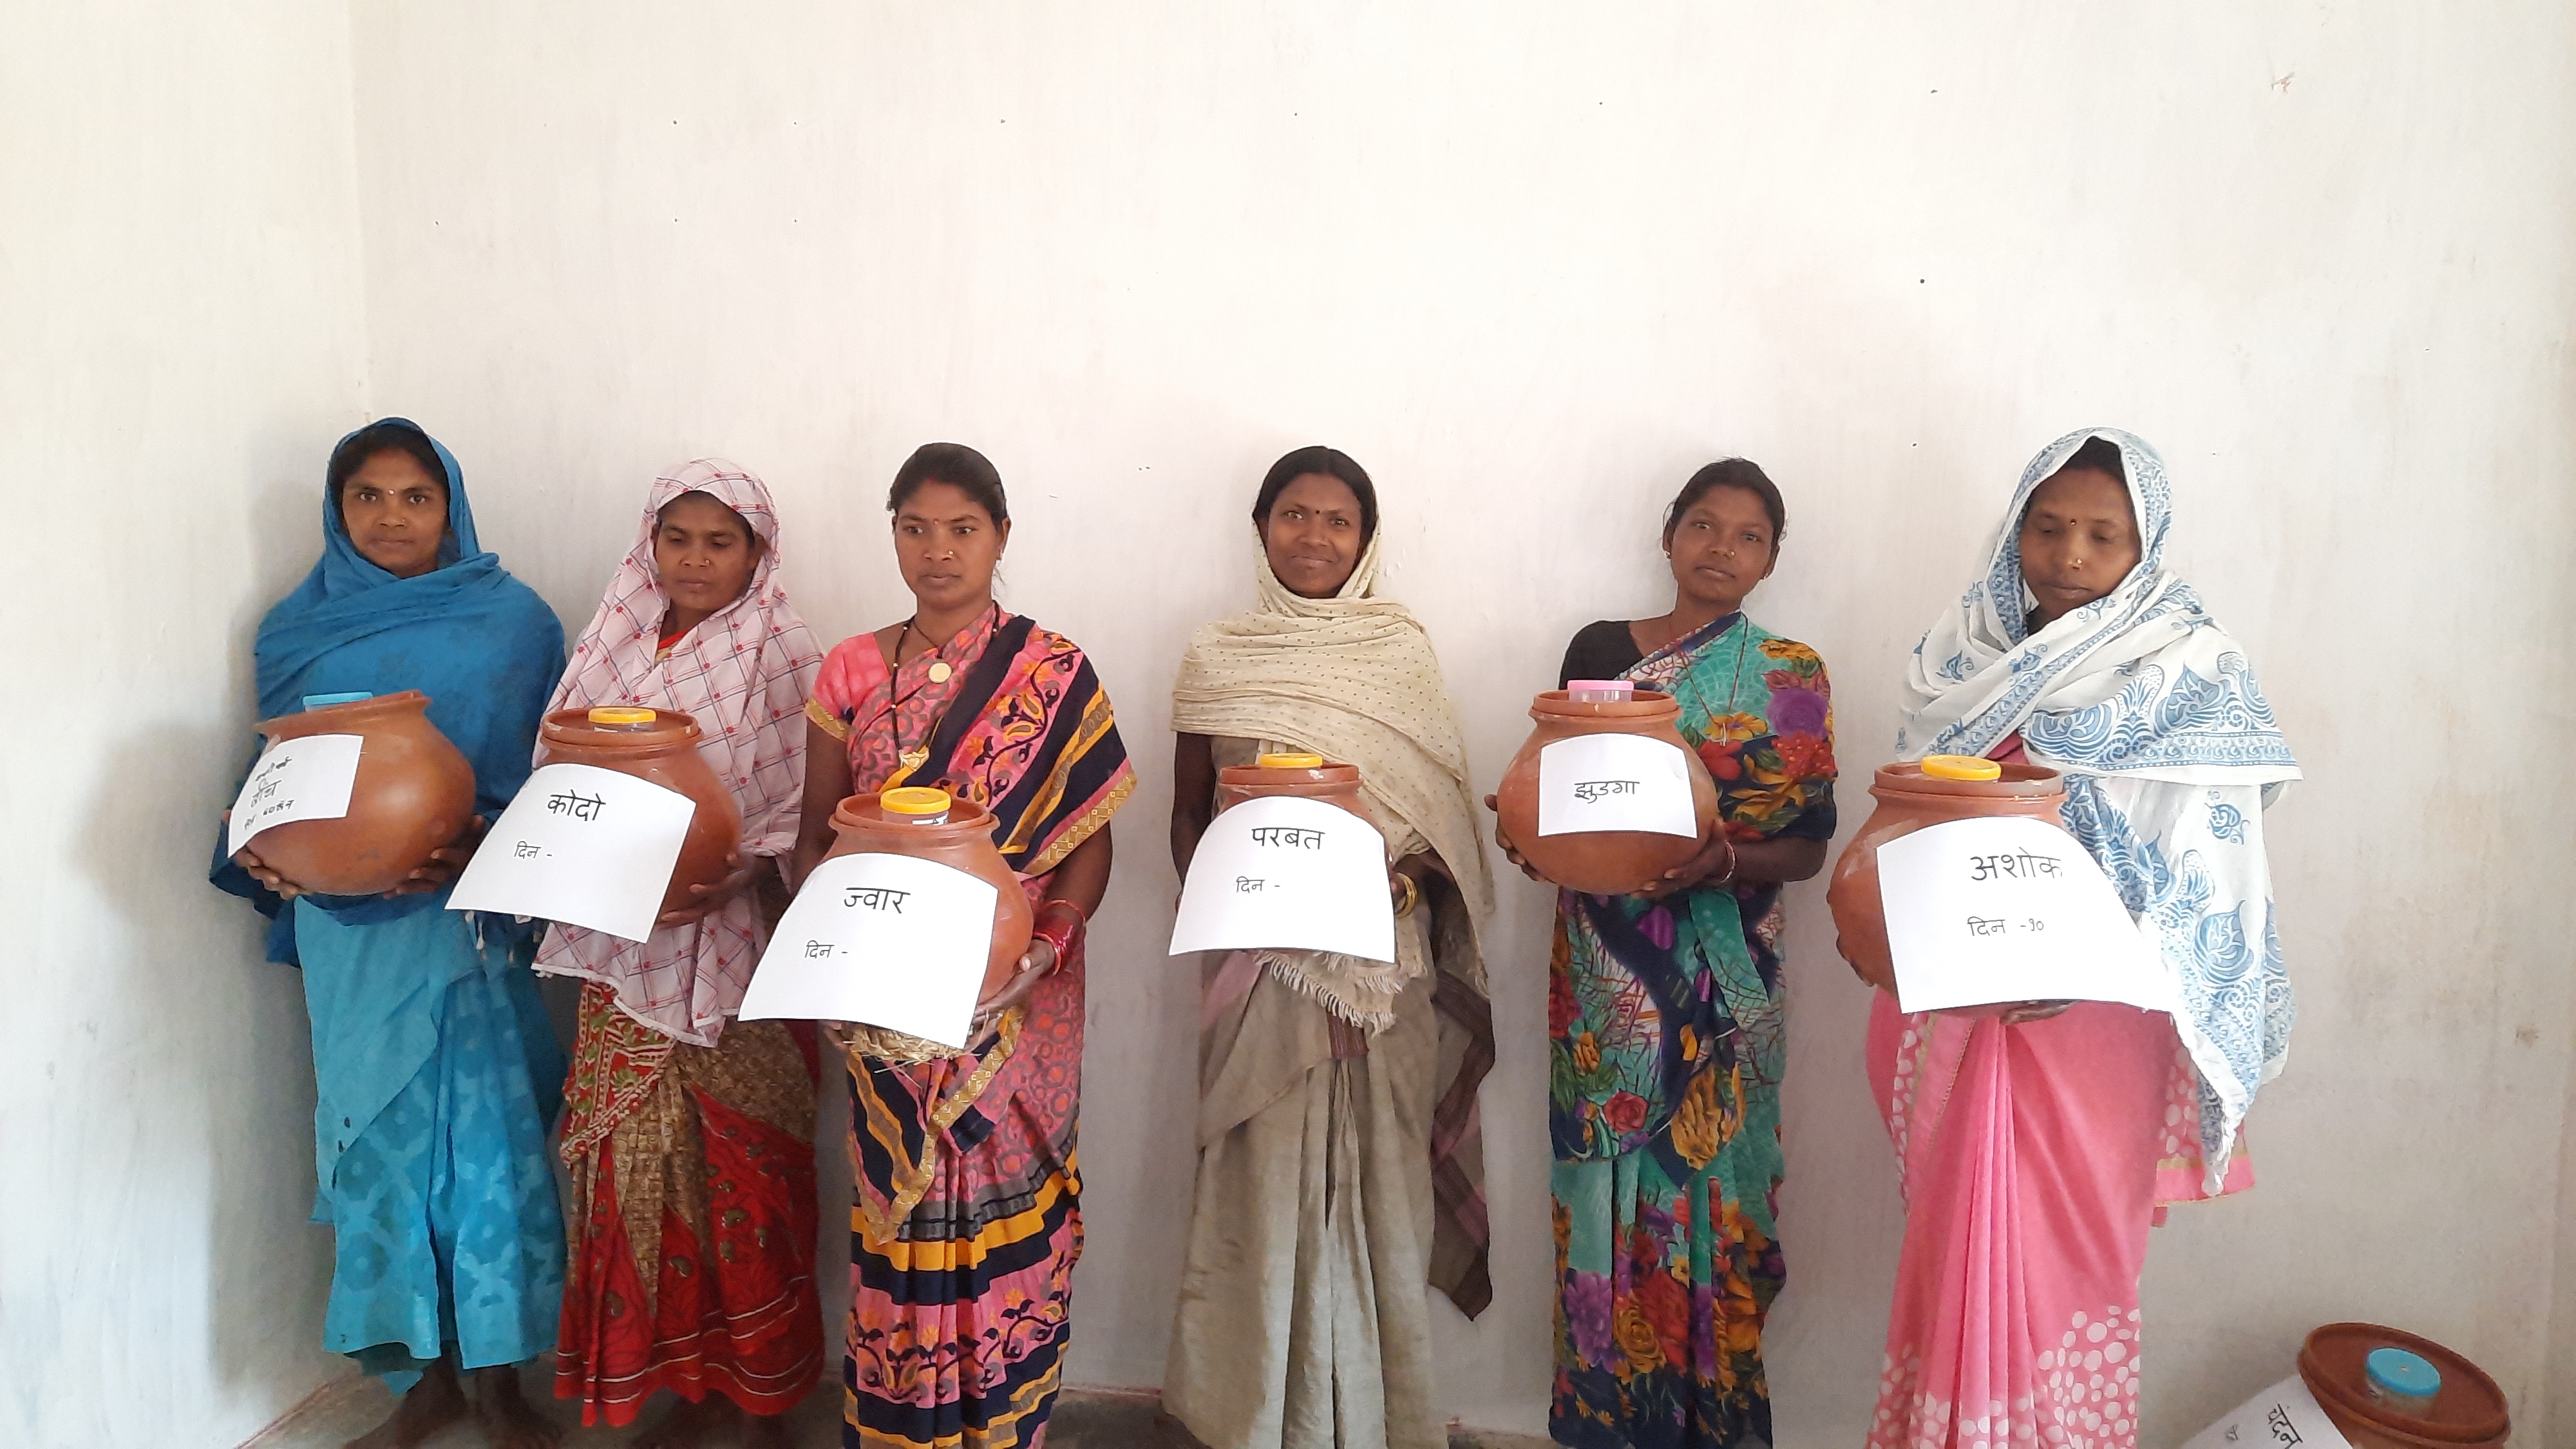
[
  {"x": 1909, "y": 800},
  {"x": 414, "y": 793},
  {"x": 1600, "y": 862},
  {"x": 965, "y": 842},
  {"x": 2470, "y": 1412},
  {"x": 1335, "y": 785},
  {"x": 661, "y": 748}
]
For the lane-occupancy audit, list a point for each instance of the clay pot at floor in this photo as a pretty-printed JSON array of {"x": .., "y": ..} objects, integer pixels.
[
  {"x": 2468, "y": 1412},
  {"x": 963, "y": 841},
  {"x": 1600, "y": 862},
  {"x": 1305, "y": 777},
  {"x": 1909, "y": 800},
  {"x": 659, "y": 746},
  {"x": 414, "y": 793}
]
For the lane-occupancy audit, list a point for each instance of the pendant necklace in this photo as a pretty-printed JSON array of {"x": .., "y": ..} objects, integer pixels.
[{"x": 939, "y": 672}]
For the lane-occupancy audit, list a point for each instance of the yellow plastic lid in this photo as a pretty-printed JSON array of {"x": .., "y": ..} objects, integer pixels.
[
  {"x": 622, "y": 714},
  {"x": 914, "y": 800},
  {"x": 1961, "y": 767},
  {"x": 1290, "y": 762}
]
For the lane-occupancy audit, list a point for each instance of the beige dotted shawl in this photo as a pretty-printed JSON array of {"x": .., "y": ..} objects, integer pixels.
[{"x": 1351, "y": 678}]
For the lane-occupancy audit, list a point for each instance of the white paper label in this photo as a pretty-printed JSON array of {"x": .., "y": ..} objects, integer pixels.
[
  {"x": 882, "y": 940},
  {"x": 1614, "y": 782},
  {"x": 1287, "y": 874},
  {"x": 1992, "y": 910},
  {"x": 581, "y": 845},
  {"x": 298, "y": 779},
  {"x": 2284, "y": 1416}
]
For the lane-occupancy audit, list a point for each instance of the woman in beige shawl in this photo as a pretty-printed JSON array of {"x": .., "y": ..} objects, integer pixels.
[{"x": 1340, "y": 1165}]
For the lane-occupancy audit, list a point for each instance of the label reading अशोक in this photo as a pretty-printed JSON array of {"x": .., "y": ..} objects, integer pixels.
[{"x": 2010, "y": 909}]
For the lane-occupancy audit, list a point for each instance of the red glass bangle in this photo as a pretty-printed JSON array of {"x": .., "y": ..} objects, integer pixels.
[{"x": 1061, "y": 925}]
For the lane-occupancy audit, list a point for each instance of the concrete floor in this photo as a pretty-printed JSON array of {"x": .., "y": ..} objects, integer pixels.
[{"x": 1083, "y": 1420}]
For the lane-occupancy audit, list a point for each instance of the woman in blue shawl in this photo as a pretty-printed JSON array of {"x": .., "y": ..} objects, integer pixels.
[{"x": 435, "y": 1069}]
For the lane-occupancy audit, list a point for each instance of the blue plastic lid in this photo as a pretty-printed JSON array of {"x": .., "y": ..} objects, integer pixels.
[
  {"x": 2395, "y": 1371},
  {"x": 316, "y": 701}
]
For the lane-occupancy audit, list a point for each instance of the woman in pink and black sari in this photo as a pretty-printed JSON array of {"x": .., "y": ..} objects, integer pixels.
[
  {"x": 967, "y": 1222},
  {"x": 2038, "y": 1142}
]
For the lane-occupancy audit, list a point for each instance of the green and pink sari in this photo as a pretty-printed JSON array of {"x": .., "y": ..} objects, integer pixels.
[{"x": 1665, "y": 1058}]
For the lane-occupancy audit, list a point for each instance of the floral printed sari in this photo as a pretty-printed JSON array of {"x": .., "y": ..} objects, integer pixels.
[{"x": 1665, "y": 1057}]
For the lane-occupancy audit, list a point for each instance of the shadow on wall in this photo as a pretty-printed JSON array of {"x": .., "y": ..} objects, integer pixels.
[
  {"x": 216, "y": 1033},
  {"x": 220, "y": 1041}
]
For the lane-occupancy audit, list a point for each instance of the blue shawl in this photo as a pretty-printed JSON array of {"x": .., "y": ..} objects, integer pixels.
[{"x": 480, "y": 643}]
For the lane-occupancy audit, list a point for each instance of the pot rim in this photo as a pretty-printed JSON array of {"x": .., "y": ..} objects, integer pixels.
[
  {"x": 672, "y": 730},
  {"x": 2019, "y": 782},
  {"x": 346, "y": 718},
  {"x": 977, "y": 821},
  {"x": 2466, "y": 1435},
  {"x": 1649, "y": 706},
  {"x": 1331, "y": 772}
]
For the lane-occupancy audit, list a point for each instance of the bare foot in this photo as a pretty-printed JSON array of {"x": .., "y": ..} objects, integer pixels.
[
  {"x": 506, "y": 1417},
  {"x": 687, "y": 1425},
  {"x": 433, "y": 1404}
]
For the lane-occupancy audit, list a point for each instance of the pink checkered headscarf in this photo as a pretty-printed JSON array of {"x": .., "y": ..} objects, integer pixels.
[{"x": 743, "y": 673}]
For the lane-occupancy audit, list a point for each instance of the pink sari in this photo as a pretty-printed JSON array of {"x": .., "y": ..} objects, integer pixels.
[{"x": 2033, "y": 1160}]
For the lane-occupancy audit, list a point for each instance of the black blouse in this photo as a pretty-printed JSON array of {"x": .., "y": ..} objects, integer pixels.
[{"x": 1603, "y": 649}]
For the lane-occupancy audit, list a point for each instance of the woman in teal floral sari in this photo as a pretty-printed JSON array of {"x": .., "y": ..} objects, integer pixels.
[{"x": 1664, "y": 1014}]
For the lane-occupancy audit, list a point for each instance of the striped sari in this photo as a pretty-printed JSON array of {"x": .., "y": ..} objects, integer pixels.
[{"x": 968, "y": 1217}]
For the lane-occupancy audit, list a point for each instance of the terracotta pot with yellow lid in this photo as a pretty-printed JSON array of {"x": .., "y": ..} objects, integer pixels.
[
  {"x": 659, "y": 746},
  {"x": 414, "y": 793},
  {"x": 1600, "y": 862},
  {"x": 1911, "y": 795},
  {"x": 1299, "y": 776},
  {"x": 929, "y": 824}
]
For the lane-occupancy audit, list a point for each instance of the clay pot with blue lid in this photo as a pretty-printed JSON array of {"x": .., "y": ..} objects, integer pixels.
[
  {"x": 2385, "y": 1388},
  {"x": 414, "y": 793}
]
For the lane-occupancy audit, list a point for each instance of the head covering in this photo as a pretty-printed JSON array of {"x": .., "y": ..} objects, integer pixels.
[
  {"x": 742, "y": 673},
  {"x": 478, "y": 642},
  {"x": 2170, "y": 753},
  {"x": 2141, "y": 682}
]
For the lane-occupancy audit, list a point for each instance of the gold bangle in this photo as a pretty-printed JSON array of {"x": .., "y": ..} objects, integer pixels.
[{"x": 1412, "y": 896}]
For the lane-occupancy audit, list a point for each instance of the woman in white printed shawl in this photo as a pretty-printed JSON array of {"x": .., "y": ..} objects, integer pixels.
[
  {"x": 691, "y": 1138},
  {"x": 2038, "y": 1143}
]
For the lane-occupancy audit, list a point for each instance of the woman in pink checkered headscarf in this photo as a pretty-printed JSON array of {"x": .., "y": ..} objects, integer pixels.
[{"x": 690, "y": 1137}]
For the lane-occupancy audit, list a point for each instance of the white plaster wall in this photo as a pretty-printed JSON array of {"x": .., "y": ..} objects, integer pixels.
[
  {"x": 1532, "y": 263},
  {"x": 180, "y": 304}
]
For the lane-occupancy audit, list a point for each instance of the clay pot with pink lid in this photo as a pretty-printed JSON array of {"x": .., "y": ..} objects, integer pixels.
[
  {"x": 413, "y": 794},
  {"x": 1600, "y": 862},
  {"x": 1912, "y": 795},
  {"x": 660, "y": 747}
]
